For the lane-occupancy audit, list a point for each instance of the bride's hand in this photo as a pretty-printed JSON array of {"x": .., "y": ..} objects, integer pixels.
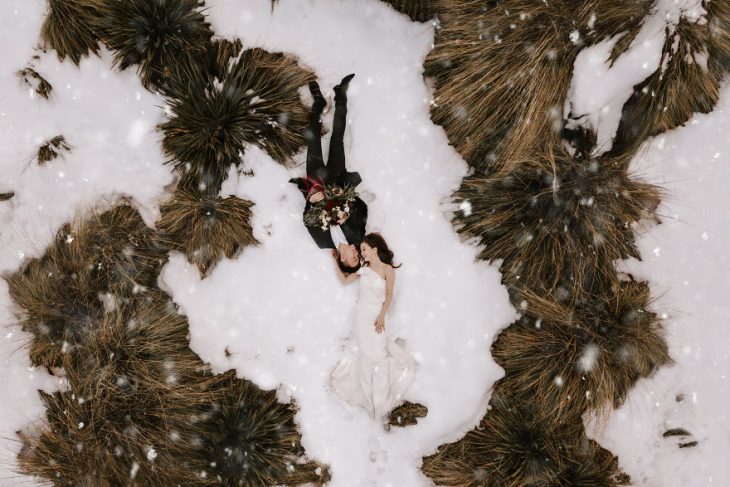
[{"x": 380, "y": 324}]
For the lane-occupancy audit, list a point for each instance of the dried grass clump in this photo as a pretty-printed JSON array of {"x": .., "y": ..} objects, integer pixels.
[
  {"x": 92, "y": 263},
  {"x": 558, "y": 220},
  {"x": 133, "y": 396},
  {"x": 69, "y": 28},
  {"x": 51, "y": 148},
  {"x": 681, "y": 86},
  {"x": 205, "y": 228},
  {"x": 250, "y": 438},
  {"x": 36, "y": 82},
  {"x": 407, "y": 414},
  {"x": 418, "y": 10},
  {"x": 572, "y": 359},
  {"x": 718, "y": 16},
  {"x": 231, "y": 98},
  {"x": 153, "y": 34},
  {"x": 510, "y": 448},
  {"x": 502, "y": 71}
]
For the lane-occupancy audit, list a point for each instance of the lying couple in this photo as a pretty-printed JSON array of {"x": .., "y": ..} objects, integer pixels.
[{"x": 378, "y": 371}]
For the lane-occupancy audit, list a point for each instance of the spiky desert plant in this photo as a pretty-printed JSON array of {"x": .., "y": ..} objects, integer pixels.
[
  {"x": 51, "y": 148},
  {"x": 681, "y": 86},
  {"x": 250, "y": 438},
  {"x": 33, "y": 80},
  {"x": 227, "y": 100},
  {"x": 407, "y": 414},
  {"x": 718, "y": 16},
  {"x": 502, "y": 70},
  {"x": 92, "y": 263},
  {"x": 153, "y": 34},
  {"x": 6, "y": 196},
  {"x": 572, "y": 359},
  {"x": 133, "y": 398},
  {"x": 558, "y": 221},
  {"x": 205, "y": 228},
  {"x": 511, "y": 448},
  {"x": 69, "y": 28},
  {"x": 418, "y": 10}
]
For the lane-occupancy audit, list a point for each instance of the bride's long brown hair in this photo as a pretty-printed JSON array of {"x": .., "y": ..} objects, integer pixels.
[{"x": 376, "y": 241}]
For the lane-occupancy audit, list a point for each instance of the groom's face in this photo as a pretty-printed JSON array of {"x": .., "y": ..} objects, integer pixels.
[{"x": 348, "y": 255}]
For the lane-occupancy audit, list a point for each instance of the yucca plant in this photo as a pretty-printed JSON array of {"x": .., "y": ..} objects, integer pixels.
[
  {"x": 681, "y": 86},
  {"x": 227, "y": 100},
  {"x": 718, "y": 16},
  {"x": 205, "y": 228},
  {"x": 133, "y": 398},
  {"x": 153, "y": 34},
  {"x": 558, "y": 221},
  {"x": 250, "y": 438},
  {"x": 572, "y": 359},
  {"x": 93, "y": 263},
  {"x": 509, "y": 448},
  {"x": 418, "y": 10},
  {"x": 51, "y": 148},
  {"x": 502, "y": 70},
  {"x": 70, "y": 28}
]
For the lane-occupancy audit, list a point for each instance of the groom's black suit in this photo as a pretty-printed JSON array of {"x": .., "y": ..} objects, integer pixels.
[{"x": 333, "y": 173}]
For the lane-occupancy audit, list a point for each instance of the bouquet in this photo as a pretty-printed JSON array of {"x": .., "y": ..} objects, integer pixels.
[{"x": 334, "y": 209}]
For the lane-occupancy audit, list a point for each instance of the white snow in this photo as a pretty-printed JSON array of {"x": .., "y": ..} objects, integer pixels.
[
  {"x": 689, "y": 279},
  {"x": 108, "y": 118},
  {"x": 280, "y": 311},
  {"x": 278, "y": 308},
  {"x": 599, "y": 90}
]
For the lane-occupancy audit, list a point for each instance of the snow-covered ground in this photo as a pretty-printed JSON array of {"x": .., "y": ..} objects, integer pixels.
[
  {"x": 279, "y": 308},
  {"x": 687, "y": 263},
  {"x": 108, "y": 119},
  {"x": 277, "y": 313}
]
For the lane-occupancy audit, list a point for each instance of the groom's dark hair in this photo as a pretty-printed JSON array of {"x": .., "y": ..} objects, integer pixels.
[{"x": 346, "y": 269}]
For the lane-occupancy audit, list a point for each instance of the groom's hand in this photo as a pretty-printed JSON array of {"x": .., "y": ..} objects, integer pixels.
[
  {"x": 380, "y": 324},
  {"x": 316, "y": 197}
]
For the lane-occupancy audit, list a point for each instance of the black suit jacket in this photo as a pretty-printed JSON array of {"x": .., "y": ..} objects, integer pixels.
[{"x": 354, "y": 226}]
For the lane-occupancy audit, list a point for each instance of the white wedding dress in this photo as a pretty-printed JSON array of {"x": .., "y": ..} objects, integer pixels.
[{"x": 377, "y": 371}]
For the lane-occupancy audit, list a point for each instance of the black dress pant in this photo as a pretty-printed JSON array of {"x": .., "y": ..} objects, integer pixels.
[{"x": 334, "y": 171}]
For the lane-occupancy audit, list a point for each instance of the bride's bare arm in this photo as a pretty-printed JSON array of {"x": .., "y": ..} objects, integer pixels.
[
  {"x": 389, "y": 283},
  {"x": 344, "y": 278}
]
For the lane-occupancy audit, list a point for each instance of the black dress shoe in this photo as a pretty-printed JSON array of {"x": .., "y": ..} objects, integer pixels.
[{"x": 341, "y": 89}]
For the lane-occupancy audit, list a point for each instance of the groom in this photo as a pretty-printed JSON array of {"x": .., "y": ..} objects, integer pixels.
[{"x": 344, "y": 238}]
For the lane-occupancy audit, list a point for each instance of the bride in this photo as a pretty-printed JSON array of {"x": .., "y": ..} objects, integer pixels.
[{"x": 378, "y": 371}]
